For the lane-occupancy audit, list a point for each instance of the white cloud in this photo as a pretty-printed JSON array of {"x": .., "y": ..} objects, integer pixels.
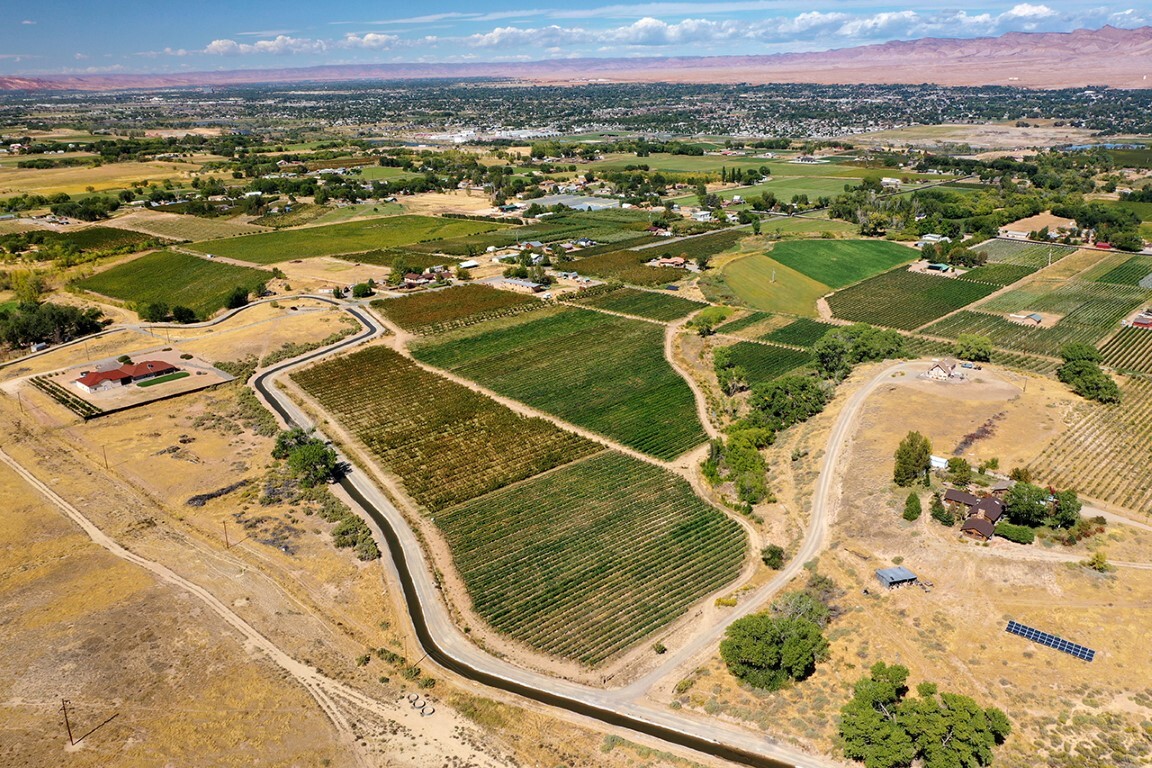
[
  {"x": 28, "y": 22},
  {"x": 371, "y": 41},
  {"x": 279, "y": 45}
]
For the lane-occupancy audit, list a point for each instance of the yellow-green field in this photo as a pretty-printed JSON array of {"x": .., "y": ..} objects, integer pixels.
[{"x": 73, "y": 181}]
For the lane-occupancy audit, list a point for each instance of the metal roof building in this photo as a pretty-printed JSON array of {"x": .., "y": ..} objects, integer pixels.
[{"x": 895, "y": 577}]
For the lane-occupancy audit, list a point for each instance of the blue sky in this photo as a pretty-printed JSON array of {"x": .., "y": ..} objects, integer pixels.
[{"x": 77, "y": 36}]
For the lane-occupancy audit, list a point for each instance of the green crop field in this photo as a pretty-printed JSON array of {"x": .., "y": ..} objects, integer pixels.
[
  {"x": 762, "y": 283},
  {"x": 997, "y": 274},
  {"x": 837, "y": 263},
  {"x": 587, "y": 560},
  {"x": 1130, "y": 350},
  {"x": 625, "y": 227},
  {"x": 175, "y": 279},
  {"x": 1090, "y": 311},
  {"x": 740, "y": 323},
  {"x": 335, "y": 239},
  {"x": 630, "y": 301},
  {"x": 101, "y": 238},
  {"x": 446, "y": 443},
  {"x": 905, "y": 300},
  {"x": 1104, "y": 455},
  {"x": 441, "y": 310},
  {"x": 1123, "y": 270},
  {"x": 764, "y": 362},
  {"x": 799, "y": 333},
  {"x": 602, "y": 372},
  {"x": 1022, "y": 253},
  {"x": 799, "y": 225}
]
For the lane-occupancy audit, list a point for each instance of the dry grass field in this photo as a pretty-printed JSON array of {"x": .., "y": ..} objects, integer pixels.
[
  {"x": 48, "y": 181},
  {"x": 106, "y": 634},
  {"x": 182, "y": 227},
  {"x": 1065, "y": 712}
]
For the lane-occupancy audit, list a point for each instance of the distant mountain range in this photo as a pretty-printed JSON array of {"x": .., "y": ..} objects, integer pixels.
[{"x": 1119, "y": 58}]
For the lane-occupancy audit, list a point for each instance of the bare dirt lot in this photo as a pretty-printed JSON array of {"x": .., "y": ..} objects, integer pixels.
[{"x": 1065, "y": 712}]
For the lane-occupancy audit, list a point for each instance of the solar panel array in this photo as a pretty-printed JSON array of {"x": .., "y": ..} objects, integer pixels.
[{"x": 1059, "y": 643}]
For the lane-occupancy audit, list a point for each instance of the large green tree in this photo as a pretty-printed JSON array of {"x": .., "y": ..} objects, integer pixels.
[
  {"x": 913, "y": 460},
  {"x": 970, "y": 346},
  {"x": 767, "y": 652},
  {"x": 1026, "y": 504}
]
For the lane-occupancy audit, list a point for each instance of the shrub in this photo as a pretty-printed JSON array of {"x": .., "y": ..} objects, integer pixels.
[
  {"x": 1021, "y": 534},
  {"x": 767, "y": 652},
  {"x": 773, "y": 556}
]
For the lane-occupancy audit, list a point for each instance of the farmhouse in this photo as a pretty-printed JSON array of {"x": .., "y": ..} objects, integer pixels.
[
  {"x": 932, "y": 239},
  {"x": 978, "y": 528},
  {"x": 99, "y": 381},
  {"x": 959, "y": 501},
  {"x": 523, "y": 286},
  {"x": 889, "y": 182},
  {"x": 942, "y": 370},
  {"x": 678, "y": 262},
  {"x": 895, "y": 577}
]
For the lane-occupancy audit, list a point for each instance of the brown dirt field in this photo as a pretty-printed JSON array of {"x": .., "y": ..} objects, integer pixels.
[
  {"x": 1071, "y": 265},
  {"x": 456, "y": 201},
  {"x": 116, "y": 642},
  {"x": 991, "y": 136},
  {"x": 326, "y": 272},
  {"x": 1039, "y": 221},
  {"x": 1056, "y": 702}
]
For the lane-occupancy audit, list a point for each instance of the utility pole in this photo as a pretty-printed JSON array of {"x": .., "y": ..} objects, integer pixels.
[
  {"x": 227, "y": 545},
  {"x": 104, "y": 450},
  {"x": 67, "y": 724}
]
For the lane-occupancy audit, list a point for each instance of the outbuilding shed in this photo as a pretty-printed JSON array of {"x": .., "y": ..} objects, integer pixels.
[{"x": 895, "y": 577}]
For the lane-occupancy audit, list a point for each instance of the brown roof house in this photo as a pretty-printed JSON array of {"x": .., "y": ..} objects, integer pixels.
[{"x": 99, "y": 381}]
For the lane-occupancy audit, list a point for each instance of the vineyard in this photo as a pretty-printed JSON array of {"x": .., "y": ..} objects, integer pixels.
[
  {"x": 997, "y": 274},
  {"x": 176, "y": 279},
  {"x": 446, "y": 443},
  {"x": 102, "y": 239},
  {"x": 740, "y": 323},
  {"x": 457, "y": 307},
  {"x": 886, "y": 299},
  {"x": 599, "y": 371},
  {"x": 608, "y": 226},
  {"x": 764, "y": 362},
  {"x": 1105, "y": 454},
  {"x": 630, "y": 301},
  {"x": 1130, "y": 350},
  {"x": 1022, "y": 253},
  {"x": 69, "y": 400},
  {"x": 1134, "y": 271},
  {"x": 587, "y": 560},
  {"x": 799, "y": 333},
  {"x": 628, "y": 267}
]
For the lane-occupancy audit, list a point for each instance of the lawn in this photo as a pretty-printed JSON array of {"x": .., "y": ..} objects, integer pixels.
[
  {"x": 587, "y": 560},
  {"x": 803, "y": 225},
  {"x": 446, "y": 443},
  {"x": 598, "y": 371},
  {"x": 176, "y": 279},
  {"x": 335, "y": 239},
  {"x": 837, "y": 263},
  {"x": 762, "y": 283}
]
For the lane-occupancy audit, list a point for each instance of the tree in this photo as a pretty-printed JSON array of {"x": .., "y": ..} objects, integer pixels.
[
  {"x": 1026, "y": 504},
  {"x": 182, "y": 314},
  {"x": 1065, "y": 510},
  {"x": 156, "y": 312},
  {"x": 362, "y": 291},
  {"x": 884, "y": 728},
  {"x": 312, "y": 463},
  {"x": 959, "y": 470},
  {"x": 940, "y": 512},
  {"x": 28, "y": 287},
  {"x": 969, "y": 346},
  {"x": 288, "y": 441},
  {"x": 833, "y": 356},
  {"x": 786, "y": 401},
  {"x": 912, "y": 507},
  {"x": 913, "y": 460},
  {"x": 237, "y": 298},
  {"x": 868, "y": 726},
  {"x": 803, "y": 605},
  {"x": 773, "y": 556},
  {"x": 767, "y": 652},
  {"x": 1078, "y": 352}
]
